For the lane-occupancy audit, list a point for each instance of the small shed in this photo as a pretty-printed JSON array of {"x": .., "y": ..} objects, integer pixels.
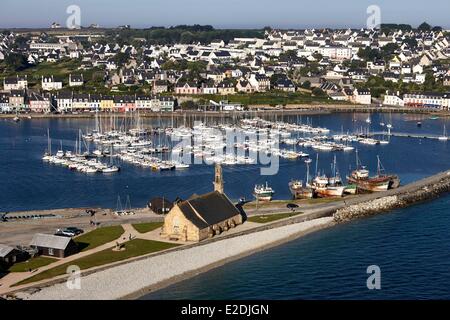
[
  {"x": 10, "y": 255},
  {"x": 160, "y": 205},
  {"x": 54, "y": 246}
]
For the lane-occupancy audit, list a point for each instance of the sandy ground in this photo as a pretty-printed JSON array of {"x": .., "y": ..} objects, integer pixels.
[
  {"x": 136, "y": 278},
  {"x": 21, "y": 231}
]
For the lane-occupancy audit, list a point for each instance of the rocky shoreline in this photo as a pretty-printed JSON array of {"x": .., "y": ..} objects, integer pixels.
[{"x": 420, "y": 191}]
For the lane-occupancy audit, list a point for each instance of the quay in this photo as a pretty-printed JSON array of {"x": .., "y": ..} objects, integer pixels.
[
  {"x": 408, "y": 135},
  {"x": 150, "y": 272},
  {"x": 252, "y": 111}
]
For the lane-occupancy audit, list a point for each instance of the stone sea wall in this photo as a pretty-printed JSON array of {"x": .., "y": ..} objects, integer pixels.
[{"x": 423, "y": 190}]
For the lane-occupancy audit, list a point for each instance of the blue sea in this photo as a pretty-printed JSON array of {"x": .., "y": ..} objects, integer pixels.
[
  {"x": 411, "y": 246},
  {"x": 28, "y": 183}
]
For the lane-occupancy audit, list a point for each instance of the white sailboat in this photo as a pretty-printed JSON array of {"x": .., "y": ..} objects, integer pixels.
[
  {"x": 444, "y": 136},
  {"x": 48, "y": 154}
]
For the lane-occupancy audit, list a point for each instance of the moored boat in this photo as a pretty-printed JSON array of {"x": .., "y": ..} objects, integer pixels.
[
  {"x": 380, "y": 182},
  {"x": 263, "y": 192}
]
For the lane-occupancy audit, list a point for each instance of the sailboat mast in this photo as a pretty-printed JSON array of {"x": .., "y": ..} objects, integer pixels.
[{"x": 317, "y": 163}]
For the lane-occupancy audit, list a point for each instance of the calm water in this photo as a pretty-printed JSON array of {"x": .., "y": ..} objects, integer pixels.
[
  {"x": 411, "y": 247},
  {"x": 28, "y": 183}
]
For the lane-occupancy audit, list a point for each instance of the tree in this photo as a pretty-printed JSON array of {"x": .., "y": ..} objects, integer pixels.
[
  {"x": 306, "y": 85},
  {"x": 436, "y": 29},
  {"x": 16, "y": 61},
  {"x": 121, "y": 58},
  {"x": 424, "y": 27},
  {"x": 369, "y": 54},
  {"x": 188, "y": 104},
  {"x": 318, "y": 92}
]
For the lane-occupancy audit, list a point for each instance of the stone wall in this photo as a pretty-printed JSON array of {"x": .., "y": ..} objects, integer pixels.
[
  {"x": 420, "y": 191},
  {"x": 365, "y": 209}
]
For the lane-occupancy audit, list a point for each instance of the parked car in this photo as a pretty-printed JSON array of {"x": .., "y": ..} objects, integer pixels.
[{"x": 69, "y": 232}]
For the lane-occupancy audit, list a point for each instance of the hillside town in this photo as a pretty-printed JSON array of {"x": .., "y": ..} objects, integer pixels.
[{"x": 93, "y": 71}]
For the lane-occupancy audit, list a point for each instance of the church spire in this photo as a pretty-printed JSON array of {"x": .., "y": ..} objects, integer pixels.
[{"x": 218, "y": 179}]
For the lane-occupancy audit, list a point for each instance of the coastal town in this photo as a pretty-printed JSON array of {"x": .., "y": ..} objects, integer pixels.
[
  {"x": 88, "y": 70},
  {"x": 206, "y": 83}
]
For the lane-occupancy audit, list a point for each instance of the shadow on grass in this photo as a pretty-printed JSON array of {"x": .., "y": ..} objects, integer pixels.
[{"x": 82, "y": 245}]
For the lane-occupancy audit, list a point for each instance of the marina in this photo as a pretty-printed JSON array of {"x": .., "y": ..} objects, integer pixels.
[{"x": 25, "y": 142}]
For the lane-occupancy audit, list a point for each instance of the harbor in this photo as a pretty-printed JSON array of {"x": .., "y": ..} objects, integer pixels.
[
  {"x": 275, "y": 233},
  {"x": 27, "y": 141},
  {"x": 330, "y": 169}
]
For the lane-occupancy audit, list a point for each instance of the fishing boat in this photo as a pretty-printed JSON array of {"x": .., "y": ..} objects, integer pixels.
[
  {"x": 325, "y": 186},
  {"x": 300, "y": 190},
  {"x": 263, "y": 192},
  {"x": 380, "y": 182}
]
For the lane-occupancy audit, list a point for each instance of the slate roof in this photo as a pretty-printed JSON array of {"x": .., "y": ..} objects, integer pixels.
[
  {"x": 5, "y": 250},
  {"x": 212, "y": 208},
  {"x": 50, "y": 241}
]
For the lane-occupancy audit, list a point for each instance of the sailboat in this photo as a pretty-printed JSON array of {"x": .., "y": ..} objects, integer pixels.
[
  {"x": 119, "y": 208},
  {"x": 128, "y": 210},
  {"x": 300, "y": 190},
  {"x": 48, "y": 154},
  {"x": 444, "y": 135},
  {"x": 111, "y": 168}
]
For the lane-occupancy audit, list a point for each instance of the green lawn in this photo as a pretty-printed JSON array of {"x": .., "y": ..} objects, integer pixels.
[
  {"x": 33, "y": 263},
  {"x": 147, "y": 227},
  {"x": 98, "y": 237},
  {"x": 133, "y": 248},
  {"x": 272, "y": 217}
]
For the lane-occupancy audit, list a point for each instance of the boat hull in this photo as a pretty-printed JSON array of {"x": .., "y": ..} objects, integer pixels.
[
  {"x": 327, "y": 192},
  {"x": 301, "y": 193},
  {"x": 378, "y": 184}
]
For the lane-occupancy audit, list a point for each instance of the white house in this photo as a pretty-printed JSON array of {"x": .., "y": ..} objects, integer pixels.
[
  {"x": 50, "y": 83},
  {"x": 392, "y": 99},
  {"x": 362, "y": 96}
]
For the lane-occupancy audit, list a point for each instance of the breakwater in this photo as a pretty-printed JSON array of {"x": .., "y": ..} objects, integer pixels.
[{"x": 420, "y": 191}]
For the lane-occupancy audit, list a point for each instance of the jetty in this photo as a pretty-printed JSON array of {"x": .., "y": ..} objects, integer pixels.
[
  {"x": 135, "y": 281},
  {"x": 408, "y": 135}
]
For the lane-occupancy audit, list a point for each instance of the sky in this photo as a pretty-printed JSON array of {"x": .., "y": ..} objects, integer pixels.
[{"x": 223, "y": 13}]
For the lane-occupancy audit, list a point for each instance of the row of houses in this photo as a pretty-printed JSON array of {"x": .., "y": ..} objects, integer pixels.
[
  {"x": 247, "y": 64},
  {"x": 65, "y": 101},
  {"x": 418, "y": 100},
  {"x": 48, "y": 83}
]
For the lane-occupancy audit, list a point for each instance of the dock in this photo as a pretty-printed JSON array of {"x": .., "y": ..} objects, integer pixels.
[{"x": 408, "y": 135}]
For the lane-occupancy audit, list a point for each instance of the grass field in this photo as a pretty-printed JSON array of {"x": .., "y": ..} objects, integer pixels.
[
  {"x": 98, "y": 237},
  {"x": 147, "y": 227},
  {"x": 33, "y": 263},
  {"x": 133, "y": 248},
  {"x": 272, "y": 217}
]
